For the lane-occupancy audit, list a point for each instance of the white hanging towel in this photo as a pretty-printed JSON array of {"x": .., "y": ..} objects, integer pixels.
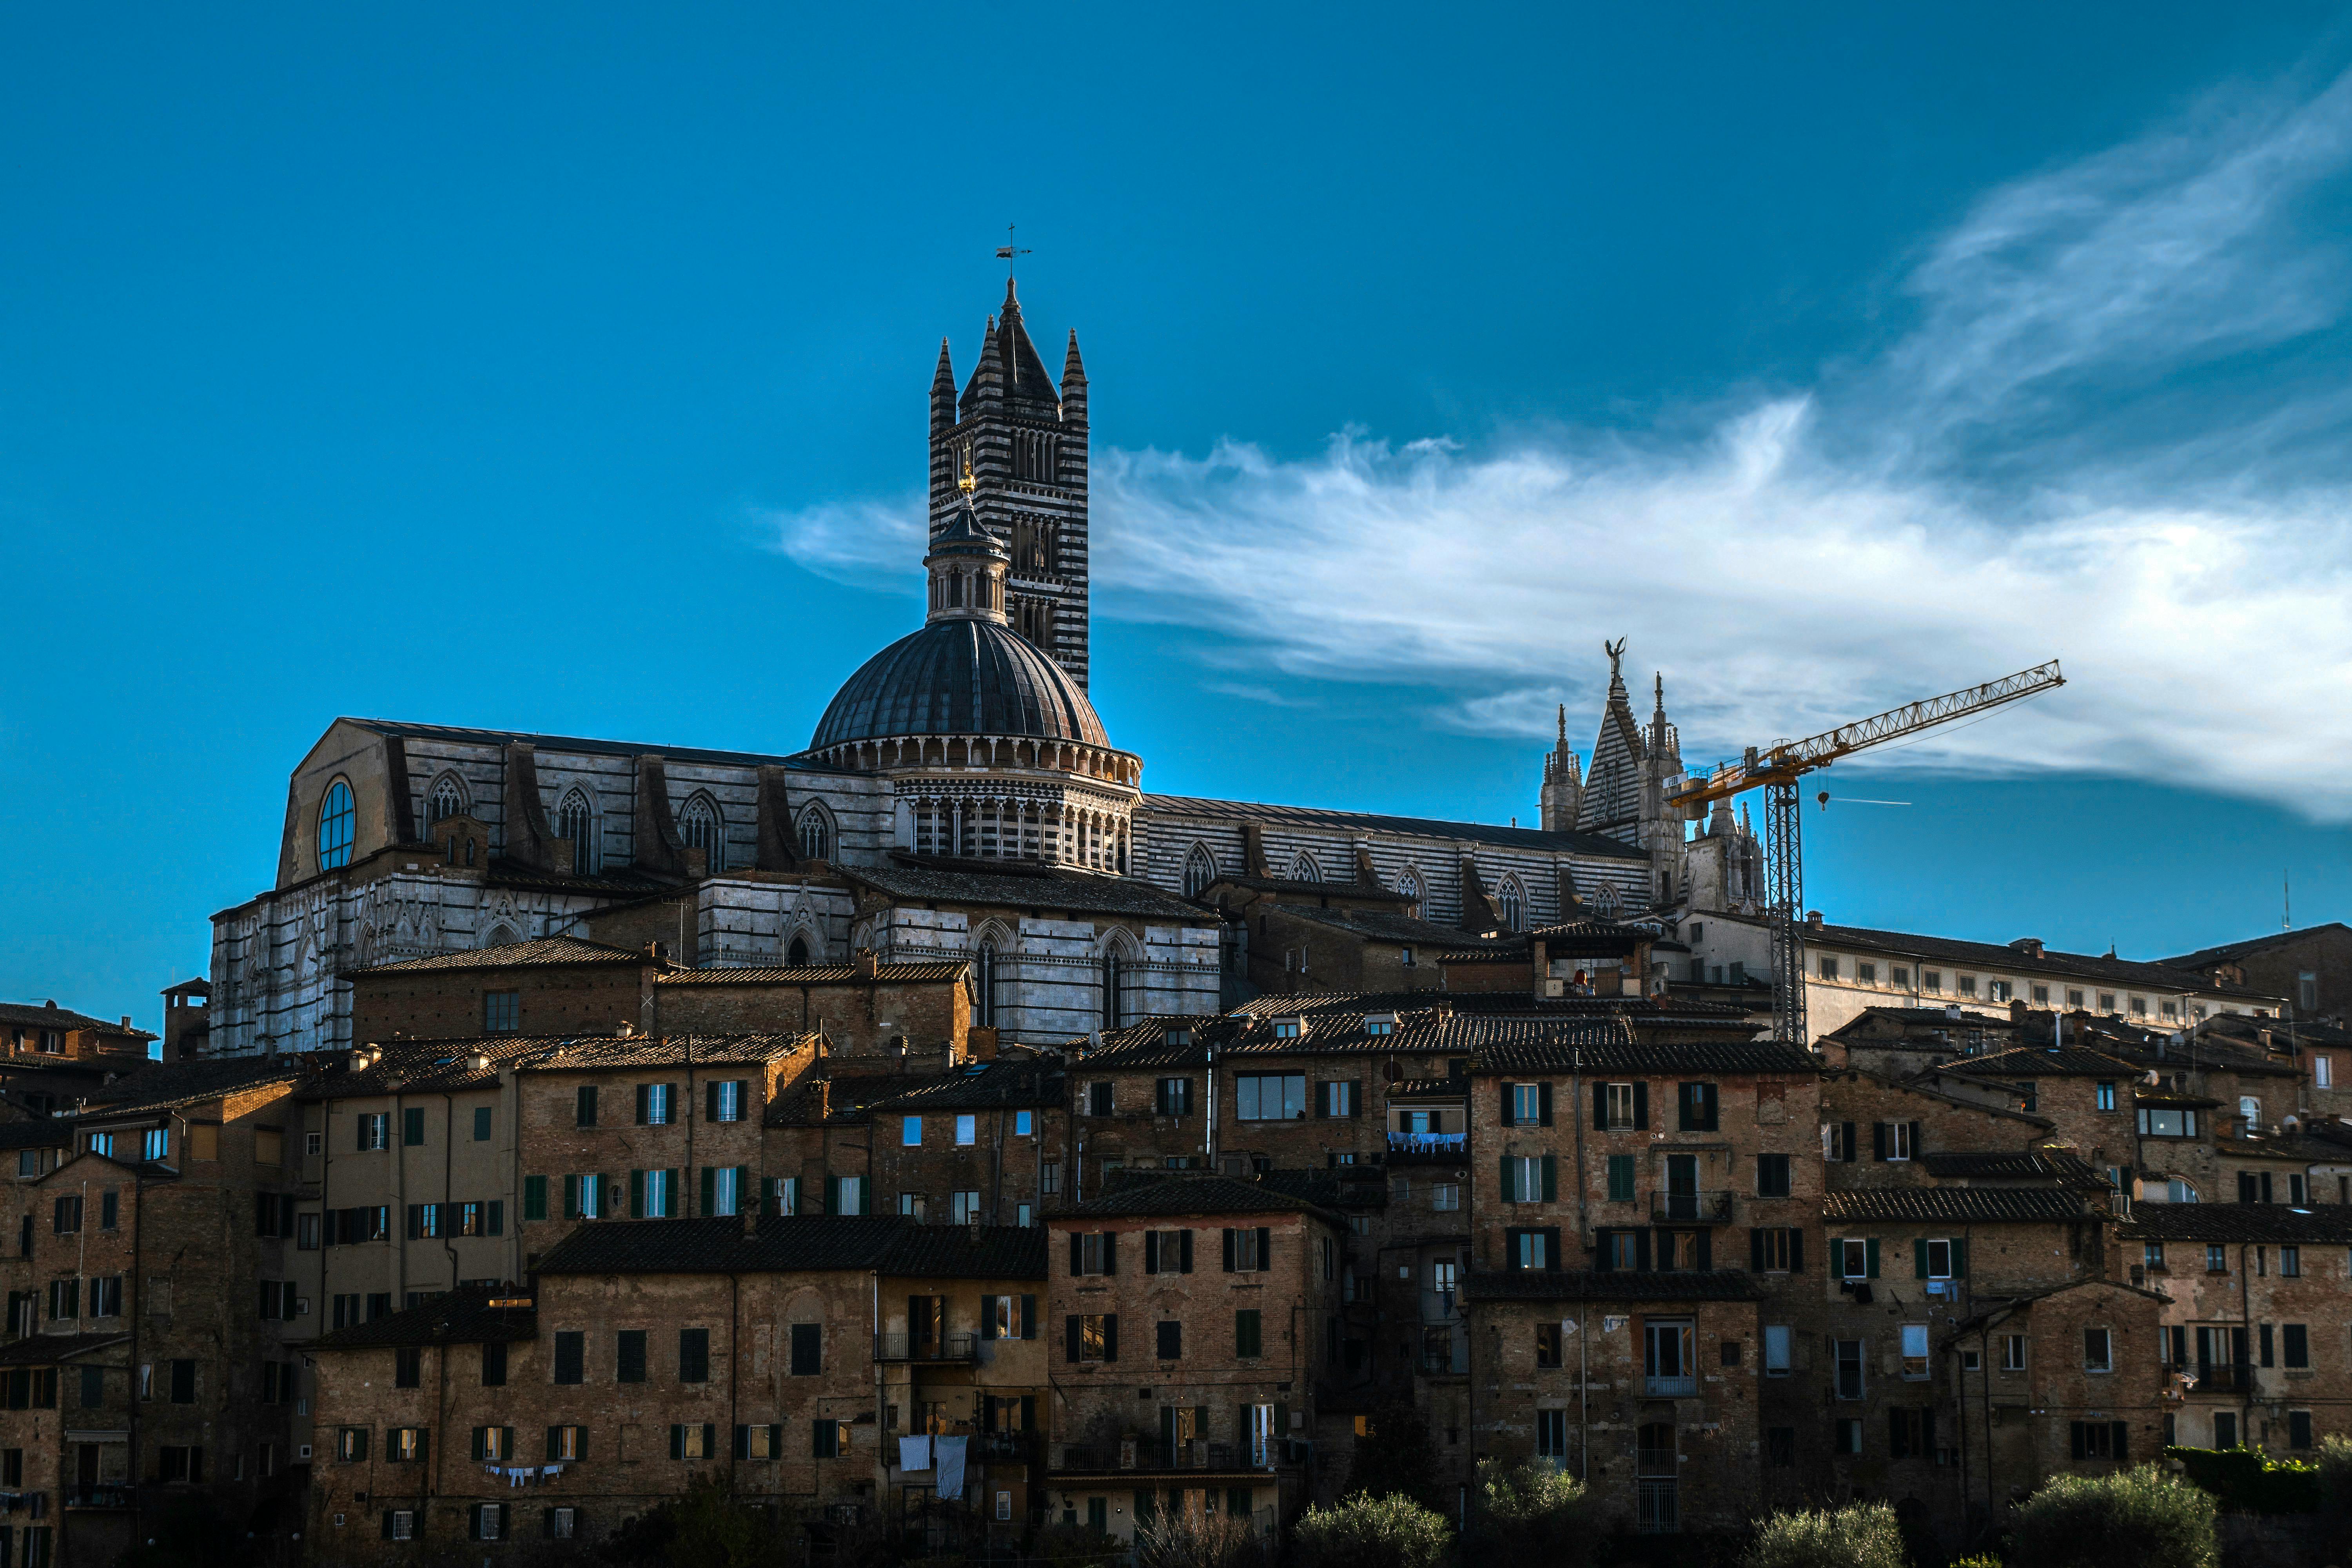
[
  {"x": 914, "y": 1453},
  {"x": 950, "y": 1483}
]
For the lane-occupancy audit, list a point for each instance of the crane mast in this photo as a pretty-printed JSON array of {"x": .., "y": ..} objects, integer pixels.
[{"x": 1776, "y": 768}]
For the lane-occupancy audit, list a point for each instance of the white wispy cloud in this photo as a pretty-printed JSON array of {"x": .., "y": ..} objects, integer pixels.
[{"x": 1815, "y": 558}]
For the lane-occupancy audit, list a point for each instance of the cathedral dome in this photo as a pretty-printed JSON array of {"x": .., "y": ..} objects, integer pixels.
[{"x": 960, "y": 677}]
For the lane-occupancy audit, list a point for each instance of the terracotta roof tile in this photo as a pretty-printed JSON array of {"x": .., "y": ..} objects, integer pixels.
[{"x": 1936, "y": 1205}]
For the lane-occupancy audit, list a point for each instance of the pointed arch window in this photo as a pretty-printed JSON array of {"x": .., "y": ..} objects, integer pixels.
[
  {"x": 1304, "y": 869},
  {"x": 701, "y": 826},
  {"x": 335, "y": 818},
  {"x": 1113, "y": 984},
  {"x": 500, "y": 936},
  {"x": 1409, "y": 885},
  {"x": 446, "y": 800},
  {"x": 797, "y": 955},
  {"x": 575, "y": 819},
  {"x": 1200, "y": 871},
  {"x": 1513, "y": 903},
  {"x": 984, "y": 982},
  {"x": 816, "y": 835}
]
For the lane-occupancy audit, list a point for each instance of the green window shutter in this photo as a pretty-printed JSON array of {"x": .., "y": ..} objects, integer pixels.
[
  {"x": 1871, "y": 1246},
  {"x": 1837, "y": 1258},
  {"x": 1509, "y": 1196},
  {"x": 833, "y": 1194},
  {"x": 638, "y": 1199},
  {"x": 1551, "y": 1179},
  {"x": 1920, "y": 1258},
  {"x": 534, "y": 1198},
  {"x": 570, "y": 1197},
  {"x": 677, "y": 1429},
  {"x": 710, "y": 1191},
  {"x": 671, "y": 1191},
  {"x": 1959, "y": 1258},
  {"x": 1621, "y": 1178},
  {"x": 747, "y": 1195}
]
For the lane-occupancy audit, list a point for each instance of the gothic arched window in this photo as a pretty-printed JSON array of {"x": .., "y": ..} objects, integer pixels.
[
  {"x": 1409, "y": 885},
  {"x": 816, "y": 834},
  {"x": 1508, "y": 898},
  {"x": 1113, "y": 983},
  {"x": 335, "y": 817},
  {"x": 702, "y": 827},
  {"x": 1200, "y": 871},
  {"x": 500, "y": 936},
  {"x": 797, "y": 955},
  {"x": 576, "y": 819},
  {"x": 1304, "y": 869},
  {"x": 983, "y": 973},
  {"x": 447, "y": 799}
]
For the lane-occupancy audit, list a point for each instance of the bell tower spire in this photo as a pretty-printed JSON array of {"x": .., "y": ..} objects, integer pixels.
[{"x": 1022, "y": 441}]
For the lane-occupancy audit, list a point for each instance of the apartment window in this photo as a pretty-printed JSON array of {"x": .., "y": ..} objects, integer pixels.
[
  {"x": 2041, "y": 995},
  {"x": 808, "y": 1349},
  {"x": 1095, "y": 1252},
  {"x": 2074, "y": 996},
  {"x": 2291, "y": 1262},
  {"x": 584, "y": 1106},
  {"x": 1847, "y": 1431},
  {"x": 1168, "y": 1341},
  {"x": 1547, "y": 1345},
  {"x": 1866, "y": 972},
  {"x": 1776, "y": 1350},
  {"x": 374, "y": 1129},
  {"x": 1775, "y": 1248},
  {"x": 1915, "y": 1350},
  {"x": 1094, "y": 1336},
  {"x": 1897, "y": 1140},
  {"x": 1444, "y": 1196},
  {"x": 1846, "y": 1358},
  {"x": 2139, "y": 1007},
  {"x": 1617, "y": 1107},
  {"x": 65, "y": 1217},
  {"x": 1931, "y": 980},
  {"x": 2098, "y": 1350},
  {"x": 1174, "y": 1096},
  {"x": 1837, "y": 1141},
  {"x": 2296, "y": 1347},
  {"x": 1696, "y": 1107},
  {"x": 1551, "y": 1433},
  {"x": 2152, "y": 1256},
  {"x": 1997, "y": 990},
  {"x": 352, "y": 1445},
  {"x": 404, "y": 1444},
  {"x": 2323, "y": 1072},
  {"x": 629, "y": 1355},
  {"x": 407, "y": 1367},
  {"x": 1829, "y": 969},
  {"x": 653, "y": 1105},
  {"x": 571, "y": 1356},
  {"x": 2216, "y": 1257},
  {"x": 963, "y": 1207},
  {"x": 2107, "y": 1002},
  {"x": 1967, "y": 985},
  {"x": 694, "y": 1355},
  {"x": 910, "y": 1131},
  {"x": 563, "y": 1443},
  {"x": 1771, "y": 1175},
  {"x": 1248, "y": 1249},
  {"x": 1270, "y": 1096},
  {"x": 1339, "y": 1098},
  {"x": 726, "y": 1100},
  {"x": 2029, "y": 1096},
  {"x": 1530, "y": 1249},
  {"x": 1854, "y": 1260},
  {"x": 1938, "y": 1260},
  {"x": 1024, "y": 1123},
  {"x": 2161, "y": 1123},
  {"x": 1529, "y": 1179},
  {"x": 1621, "y": 1178},
  {"x": 502, "y": 1012},
  {"x": 1049, "y": 1178}
]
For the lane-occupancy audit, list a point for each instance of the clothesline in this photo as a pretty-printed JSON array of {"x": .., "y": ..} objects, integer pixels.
[{"x": 523, "y": 1474}]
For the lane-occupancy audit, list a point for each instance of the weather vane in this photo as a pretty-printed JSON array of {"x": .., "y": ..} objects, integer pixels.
[{"x": 1007, "y": 251}]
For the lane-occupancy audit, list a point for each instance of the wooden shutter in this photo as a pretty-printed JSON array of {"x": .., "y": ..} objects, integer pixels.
[
  {"x": 1713, "y": 1094},
  {"x": 1870, "y": 1252},
  {"x": 1264, "y": 1247},
  {"x": 1028, "y": 1317},
  {"x": 1183, "y": 1252},
  {"x": 1551, "y": 1249},
  {"x": 1641, "y": 1108},
  {"x": 1229, "y": 1249},
  {"x": 1705, "y": 1250},
  {"x": 1110, "y": 1336},
  {"x": 1077, "y": 1255},
  {"x": 1642, "y": 1250},
  {"x": 1796, "y": 1250},
  {"x": 1507, "y": 1103},
  {"x": 710, "y": 1191},
  {"x": 1110, "y": 1252},
  {"x": 1601, "y": 1108},
  {"x": 1508, "y": 1188},
  {"x": 1878, "y": 1140},
  {"x": 1756, "y": 1249},
  {"x": 637, "y": 1195},
  {"x": 1355, "y": 1097},
  {"x": 2074, "y": 1433},
  {"x": 1543, "y": 1104},
  {"x": 1918, "y": 1257},
  {"x": 1915, "y": 1139},
  {"x": 1959, "y": 1258},
  {"x": 1603, "y": 1259},
  {"x": 2120, "y": 1436},
  {"x": 1070, "y": 1325},
  {"x": 1151, "y": 1252},
  {"x": 1846, "y": 1135},
  {"x": 1896, "y": 1448},
  {"x": 642, "y": 1089},
  {"x": 1551, "y": 1179}
]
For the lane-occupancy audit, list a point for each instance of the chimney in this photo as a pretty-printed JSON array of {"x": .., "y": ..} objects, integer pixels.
[
  {"x": 825, "y": 1099},
  {"x": 862, "y": 961},
  {"x": 126, "y": 1020},
  {"x": 1813, "y": 918}
]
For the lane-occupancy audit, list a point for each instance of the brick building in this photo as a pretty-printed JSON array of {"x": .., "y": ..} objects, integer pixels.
[{"x": 1226, "y": 1296}]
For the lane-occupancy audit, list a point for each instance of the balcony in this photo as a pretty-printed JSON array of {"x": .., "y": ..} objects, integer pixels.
[
  {"x": 99, "y": 1497},
  {"x": 940, "y": 1348},
  {"x": 2224, "y": 1377},
  {"x": 1669, "y": 1387},
  {"x": 1153, "y": 1455},
  {"x": 1428, "y": 1146},
  {"x": 1690, "y": 1208},
  {"x": 1005, "y": 1447}
]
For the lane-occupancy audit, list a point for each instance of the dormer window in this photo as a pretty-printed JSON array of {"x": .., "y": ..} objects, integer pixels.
[
  {"x": 1286, "y": 1028},
  {"x": 1178, "y": 1037},
  {"x": 1380, "y": 1023}
]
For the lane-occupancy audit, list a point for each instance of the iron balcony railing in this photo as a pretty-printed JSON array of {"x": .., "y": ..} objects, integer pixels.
[
  {"x": 1197, "y": 1455},
  {"x": 2224, "y": 1377},
  {"x": 940, "y": 1347},
  {"x": 99, "y": 1497},
  {"x": 1669, "y": 1387},
  {"x": 1691, "y": 1208}
]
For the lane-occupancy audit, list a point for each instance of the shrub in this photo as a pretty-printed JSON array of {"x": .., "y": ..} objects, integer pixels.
[
  {"x": 1363, "y": 1531},
  {"x": 1074, "y": 1546},
  {"x": 2134, "y": 1519},
  {"x": 2333, "y": 1482},
  {"x": 1529, "y": 1514},
  {"x": 1859, "y": 1535},
  {"x": 1201, "y": 1541},
  {"x": 1982, "y": 1560},
  {"x": 2247, "y": 1480}
]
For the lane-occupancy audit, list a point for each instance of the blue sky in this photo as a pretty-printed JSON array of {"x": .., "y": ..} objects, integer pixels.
[{"x": 565, "y": 370}]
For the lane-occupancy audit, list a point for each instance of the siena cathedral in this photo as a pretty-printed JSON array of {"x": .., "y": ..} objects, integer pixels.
[{"x": 961, "y": 799}]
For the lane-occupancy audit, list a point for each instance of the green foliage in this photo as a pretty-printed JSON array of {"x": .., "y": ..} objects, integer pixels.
[
  {"x": 2247, "y": 1480},
  {"x": 2142, "y": 1518},
  {"x": 1859, "y": 1535},
  {"x": 1982, "y": 1560},
  {"x": 1530, "y": 1514},
  {"x": 1398, "y": 1455},
  {"x": 1074, "y": 1546},
  {"x": 1364, "y": 1531},
  {"x": 2334, "y": 1474}
]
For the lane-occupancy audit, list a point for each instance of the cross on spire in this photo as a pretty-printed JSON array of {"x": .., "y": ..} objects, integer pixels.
[{"x": 1008, "y": 250}]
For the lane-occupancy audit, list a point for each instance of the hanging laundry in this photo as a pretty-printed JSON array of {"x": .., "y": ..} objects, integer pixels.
[
  {"x": 950, "y": 1484},
  {"x": 915, "y": 1453}
]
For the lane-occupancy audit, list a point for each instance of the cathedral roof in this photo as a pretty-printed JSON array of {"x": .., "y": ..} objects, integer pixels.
[
  {"x": 1177, "y": 806},
  {"x": 959, "y": 677}
]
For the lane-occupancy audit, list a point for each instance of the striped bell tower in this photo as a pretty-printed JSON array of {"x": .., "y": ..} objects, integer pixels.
[{"x": 1022, "y": 441}]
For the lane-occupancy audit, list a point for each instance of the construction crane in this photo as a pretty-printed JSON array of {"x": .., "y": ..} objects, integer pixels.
[{"x": 1775, "y": 769}]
